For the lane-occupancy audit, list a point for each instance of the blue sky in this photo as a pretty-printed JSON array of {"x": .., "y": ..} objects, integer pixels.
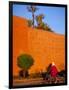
[{"x": 54, "y": 16}]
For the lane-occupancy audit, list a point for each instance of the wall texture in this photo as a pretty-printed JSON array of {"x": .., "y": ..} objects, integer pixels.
[{"x": 45, "y": 47}]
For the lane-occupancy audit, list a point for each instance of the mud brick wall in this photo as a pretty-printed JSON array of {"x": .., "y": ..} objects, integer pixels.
[{"x": 45, "y": 47}]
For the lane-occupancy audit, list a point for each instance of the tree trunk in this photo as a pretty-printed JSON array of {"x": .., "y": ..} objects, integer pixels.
[
  {"x": 33, "y": 18},
  {"x": 24, "y": 73},
  {"x": 21, "y": 73}
]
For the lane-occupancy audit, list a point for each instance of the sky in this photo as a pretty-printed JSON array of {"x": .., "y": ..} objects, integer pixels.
[{"x": 54, "y": 16}]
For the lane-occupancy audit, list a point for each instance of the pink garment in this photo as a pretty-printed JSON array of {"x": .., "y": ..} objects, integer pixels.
[{"x": 53, "y": 71}]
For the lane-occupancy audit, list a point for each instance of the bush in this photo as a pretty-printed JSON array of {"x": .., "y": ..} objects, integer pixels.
[
  {"x": 61, "y": 73},
  {"x": 44, "y": 26},
  {"x": 30, "y": 23}
]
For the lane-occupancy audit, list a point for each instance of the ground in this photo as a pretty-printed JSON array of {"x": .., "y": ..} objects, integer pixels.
[{"x": 37, "y": 81}]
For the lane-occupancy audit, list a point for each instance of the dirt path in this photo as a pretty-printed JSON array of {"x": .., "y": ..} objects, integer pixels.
[{"x": 38, "y": 81}]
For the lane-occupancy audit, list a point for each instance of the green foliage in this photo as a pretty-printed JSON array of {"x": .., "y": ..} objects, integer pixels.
[
  {"x": 25, "y": 61},
  {"x": 41, "y": 24},
  {"x": 47, "y": 28},
  {"x": 30, "y": 23},
  {"x": 39, "y": 19},
  {"x": 62, "y": 73}
]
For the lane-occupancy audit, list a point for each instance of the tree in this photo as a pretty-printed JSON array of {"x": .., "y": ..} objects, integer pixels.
[
  {"x": 41, "y": 24},
  {"x": 32, "y": 9},
  {"x": 39, "y": 19},
  {"x": 24, "y": 62}
]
